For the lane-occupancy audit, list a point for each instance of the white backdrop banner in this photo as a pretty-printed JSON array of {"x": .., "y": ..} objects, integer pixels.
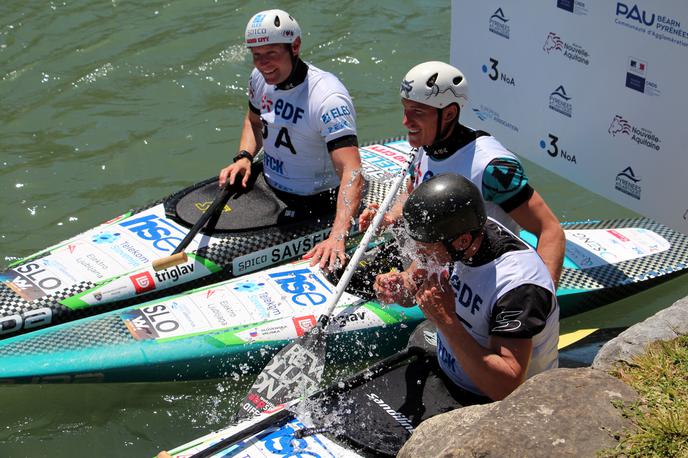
[{"x": 593, "y": 90}]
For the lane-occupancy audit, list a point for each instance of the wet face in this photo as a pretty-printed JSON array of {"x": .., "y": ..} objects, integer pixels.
[
  {"x": 274, "y": 62},
  {"x": 428, "y": 254},
  {"x": 421, "y": 122}
]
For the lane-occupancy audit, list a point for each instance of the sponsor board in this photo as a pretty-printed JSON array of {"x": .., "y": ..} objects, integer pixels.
[{"x": 597, "y": 247}]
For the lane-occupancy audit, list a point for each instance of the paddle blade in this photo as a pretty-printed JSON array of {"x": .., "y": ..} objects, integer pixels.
[{"x": 294, "y": 372}]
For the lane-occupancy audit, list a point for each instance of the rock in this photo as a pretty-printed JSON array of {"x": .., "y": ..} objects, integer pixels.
[
  {"x": 666, "y": 324},
  {"x": 562, "y": 412}
]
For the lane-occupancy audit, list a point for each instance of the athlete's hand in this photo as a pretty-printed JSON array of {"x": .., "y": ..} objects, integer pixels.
[
  {"x": 397, "y": 287},
  {"x": 367, "y": 215},
  {"x": 328, "y": 253},
  {"x": 435, "y": 297},
  {"x": 242, "y": 167}
]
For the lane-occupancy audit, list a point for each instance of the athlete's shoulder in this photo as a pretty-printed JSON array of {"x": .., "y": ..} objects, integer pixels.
[
  {"x": 324, "y": 83},
  {"x": 488, "y": 144}
]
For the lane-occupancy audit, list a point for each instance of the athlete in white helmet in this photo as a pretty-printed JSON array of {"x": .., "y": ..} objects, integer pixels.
[
  {"x": 433, "y": 95},
  {"x": 304, "y": 120},
  {"x": 495, "y": 309}
]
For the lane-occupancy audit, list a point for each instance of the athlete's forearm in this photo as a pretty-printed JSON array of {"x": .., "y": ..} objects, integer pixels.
[
  {"x": 251, "y": 138},
  {"x": 496, "y": 372},
  {"x": 348, "y": 200},
  {"x": 551, "y": 247}
]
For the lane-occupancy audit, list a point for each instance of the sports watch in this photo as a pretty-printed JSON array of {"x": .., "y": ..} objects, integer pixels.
[{"x": 244, "y": 154}]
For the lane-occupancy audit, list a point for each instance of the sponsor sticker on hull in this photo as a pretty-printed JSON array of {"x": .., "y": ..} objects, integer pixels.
[
  {"x": 380, "y": 161},
  {"x": 598, "y": 247},
  {"x": 261, "y": 259}
]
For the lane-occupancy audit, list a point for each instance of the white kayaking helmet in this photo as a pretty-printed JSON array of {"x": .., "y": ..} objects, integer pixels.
[
  {"x": 436, "y": 84},
  {"x": 270, "y": 27}
]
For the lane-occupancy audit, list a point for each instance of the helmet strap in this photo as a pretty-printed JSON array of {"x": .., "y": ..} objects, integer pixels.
[
  {"x": 454, "y": 254},
  {"x": 459, "y": 255}
]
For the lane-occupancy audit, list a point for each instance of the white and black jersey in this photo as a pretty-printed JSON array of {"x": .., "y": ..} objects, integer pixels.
[
  {"x": 302, "y": 123},
  {"x": 504, "y": 290},
  {"x": 478, "y": 156}
]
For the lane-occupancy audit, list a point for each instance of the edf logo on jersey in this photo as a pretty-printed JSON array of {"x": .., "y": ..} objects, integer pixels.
[
  {"x": 287, "y": 111},
  {"x": 465, "y": 295}
]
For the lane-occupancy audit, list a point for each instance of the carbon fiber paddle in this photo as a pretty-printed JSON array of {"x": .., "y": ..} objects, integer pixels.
[
  {"x": 296, "y": 370},
  {"x": 178, "y": 256}
]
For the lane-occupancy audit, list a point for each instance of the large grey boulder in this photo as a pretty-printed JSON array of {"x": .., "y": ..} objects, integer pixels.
[
  {"x": 562, "y": 412},
  {"x": 666, "y": 324}
]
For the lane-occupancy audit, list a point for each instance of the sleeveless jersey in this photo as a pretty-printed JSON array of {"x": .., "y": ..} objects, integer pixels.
[
  {"x": 470, "y": 161},
  {"x": 297, "y": 124},
  {"x": 477, "y": 290}
]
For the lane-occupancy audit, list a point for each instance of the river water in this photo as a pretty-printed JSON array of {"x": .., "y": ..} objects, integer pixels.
[{"x": 107, "y": 105}]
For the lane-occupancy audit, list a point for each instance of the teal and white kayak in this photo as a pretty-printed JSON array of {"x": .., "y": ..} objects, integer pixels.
[
  {"x": 371, "y": 413},
  {"x": 109, "y": 266},
  {"x": 234, "y": 327}
]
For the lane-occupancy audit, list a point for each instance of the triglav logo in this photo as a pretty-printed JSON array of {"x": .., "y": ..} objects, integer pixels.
[
  {"x": 573, "y": 6},
  {"x": 495, "y": 74},
  {"x": 498, "y": 24},
  {"x": 487, "y": 114},
  {"x": 560, "y": 102},
  {"x": 641, "y": 136},
  {"x": 660, "y": 26},
  {"x": 636, "y": 77},
  {"x": 572, "y": 51},
  {"x": 627, "y": 182}
]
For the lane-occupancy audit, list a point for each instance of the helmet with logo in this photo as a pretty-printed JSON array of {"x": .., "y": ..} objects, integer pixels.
[
  {"x": 270, "y": 27},
  {"x": 444, "y": 207},
  {"x": 436, "y": 84}
]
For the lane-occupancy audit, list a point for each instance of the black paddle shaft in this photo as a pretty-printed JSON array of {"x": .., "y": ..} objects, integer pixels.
[{"x": 218, "y": 203}]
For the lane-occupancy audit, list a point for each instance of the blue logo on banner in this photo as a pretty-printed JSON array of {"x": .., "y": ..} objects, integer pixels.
[
  {"x": 566, "y": 5},
  {"x": 488, "y": 114}
]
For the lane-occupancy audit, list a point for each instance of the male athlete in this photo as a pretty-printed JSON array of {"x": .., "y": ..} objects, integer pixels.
[
  {"x": 433, "y": 95},
  {"x": 304, "y": 120},
  {"x": 495, "y": 308}
]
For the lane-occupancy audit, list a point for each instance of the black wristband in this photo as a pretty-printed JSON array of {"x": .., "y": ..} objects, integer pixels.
[{"x": 244, "y": 154}]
